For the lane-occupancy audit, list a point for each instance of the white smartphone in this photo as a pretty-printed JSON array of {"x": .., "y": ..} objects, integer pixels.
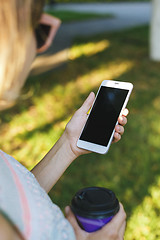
[{"x": 111, "y": 99}]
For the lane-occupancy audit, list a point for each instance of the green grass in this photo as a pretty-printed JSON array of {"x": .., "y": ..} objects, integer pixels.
[
  {"x": 70, "y": 16},
  {"x": 132, "y": 167}
]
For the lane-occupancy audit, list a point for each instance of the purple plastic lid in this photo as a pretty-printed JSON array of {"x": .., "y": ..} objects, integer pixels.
[{"x": 95, "y": 203}]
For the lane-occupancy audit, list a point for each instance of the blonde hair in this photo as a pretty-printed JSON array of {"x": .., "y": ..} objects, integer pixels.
[{"x": 17, "y": 18}]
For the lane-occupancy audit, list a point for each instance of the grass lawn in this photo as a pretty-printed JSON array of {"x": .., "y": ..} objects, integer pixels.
[
  {"x": 132, "y": 167},
  {"x": 70, "y": 16}
]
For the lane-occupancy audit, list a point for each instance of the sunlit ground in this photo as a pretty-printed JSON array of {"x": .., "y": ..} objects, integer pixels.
[{"x": 132, "y": 167}]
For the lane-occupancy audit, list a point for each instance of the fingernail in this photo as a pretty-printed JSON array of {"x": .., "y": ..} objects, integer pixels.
[
  {"x": 67, "y": 210},
  {"x": 121, "y": 117},
  {"x": 118, "y": 128}
]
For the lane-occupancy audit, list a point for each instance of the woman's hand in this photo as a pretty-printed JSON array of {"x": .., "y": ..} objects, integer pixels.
[
  {"x": 54, "y": 23},
  {"x": 64, "y": 152},
  {"x": 75, "y": 125},
  {"x": 119, "y": 129},
  {"x": 114, "y": 230}
]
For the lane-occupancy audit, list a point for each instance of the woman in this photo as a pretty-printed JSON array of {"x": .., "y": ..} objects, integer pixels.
[{"x": 26, "y": 211}]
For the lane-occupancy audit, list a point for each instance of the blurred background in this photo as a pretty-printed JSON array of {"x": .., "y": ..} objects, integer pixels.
[{"x": 96, "y": 41}]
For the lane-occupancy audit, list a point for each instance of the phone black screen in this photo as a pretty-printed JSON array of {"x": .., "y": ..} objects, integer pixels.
[{"x": 104, "y": 115}]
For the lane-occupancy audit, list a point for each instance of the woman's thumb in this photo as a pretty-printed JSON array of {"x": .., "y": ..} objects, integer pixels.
[{"x": 88, "y": 103}]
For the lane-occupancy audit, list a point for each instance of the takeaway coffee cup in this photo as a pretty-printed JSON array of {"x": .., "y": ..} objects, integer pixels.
[{"x": 94, "y": 207}]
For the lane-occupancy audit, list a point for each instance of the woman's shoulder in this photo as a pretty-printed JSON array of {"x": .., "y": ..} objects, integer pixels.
[{"x": 27, "y": 204}]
